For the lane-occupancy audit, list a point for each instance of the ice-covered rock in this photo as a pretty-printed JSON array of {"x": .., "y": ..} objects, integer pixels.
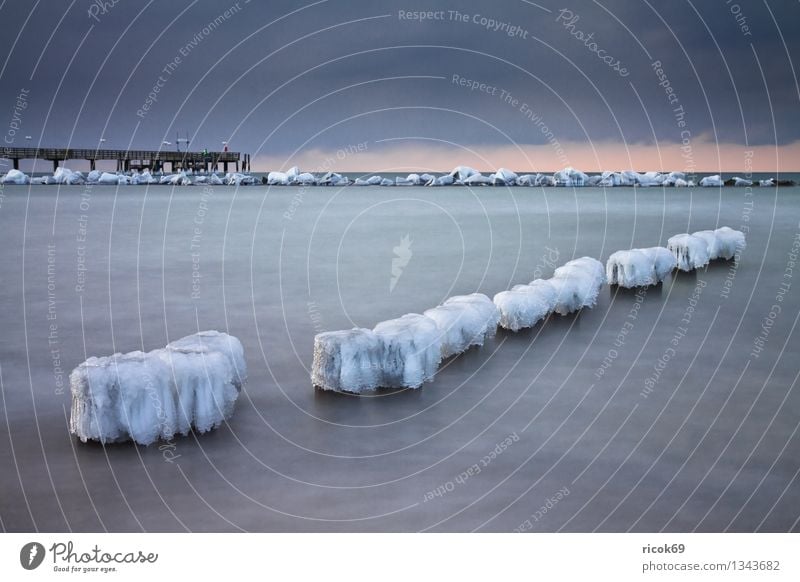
[
  {"x": 238, "y": 179},
  {"x": 477, "y": 180},
  {"x": 504, "y": 177},
  {"x": 524, "y": 306},
  {"x": 577, "y": 284},
  {"x": 214, "y": 180},
  {"x": 410, "y": 180},
  {"x": 64, "y": 175},
  {"x": 639, "y": 267},
  {"x": 412, "y": 350},
  {"x": 305, "y": 179},
  {"x": 461, "y": 173},
  {"x": 710, "y": 181},
  {"x": 15, "y": 177},
  {"x": 741, "y": 182},
  {"x": 277, "y": 179},
  {"x": 386, "y": 182},
  {"x": 93, "y": 176},
  {"x": 348, "y": 361},
  {"x": 728, "y": 242},
  {"x": 109, "y": 179},
  {"x": 464, "y": 321},
  {"x": 192, "y": 383},
  {"x": 767, "y": 183},
  {"x": 570, "y": 177},
  {"x": 446, "y": 180},
  {"x": 690, "y": 252},
  {"x": 334, "y": 179}
]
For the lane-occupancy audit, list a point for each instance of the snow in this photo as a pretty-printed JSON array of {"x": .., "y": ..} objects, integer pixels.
[
  {"x": 192, "y": 383},
  {"x": 709, "y": 181},
  {"x": 412, "y": 350},
  {"x": 464, "y": 321},
  {"x": 639, "y": 267},
  {"x": 690, "y": 252},
  {"x": 577, "y": 284},
  {"x": 15, "y": 177},
  {"x": 347, "y": 361}
]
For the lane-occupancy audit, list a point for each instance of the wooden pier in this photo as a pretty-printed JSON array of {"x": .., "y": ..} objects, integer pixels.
[{"x": 154, "y": 160}]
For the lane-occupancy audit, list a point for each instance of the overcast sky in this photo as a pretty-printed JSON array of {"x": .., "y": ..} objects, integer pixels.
[{"x": 291, "y": 82}]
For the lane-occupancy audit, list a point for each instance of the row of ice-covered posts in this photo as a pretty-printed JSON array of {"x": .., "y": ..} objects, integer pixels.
[{"x": 406, "y": 352}]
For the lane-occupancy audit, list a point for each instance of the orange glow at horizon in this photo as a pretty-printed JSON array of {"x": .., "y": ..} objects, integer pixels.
[{"x": 422, "y": 156}]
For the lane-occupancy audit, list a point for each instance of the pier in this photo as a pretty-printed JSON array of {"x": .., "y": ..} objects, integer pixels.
[{"x": 127, "y": 160}]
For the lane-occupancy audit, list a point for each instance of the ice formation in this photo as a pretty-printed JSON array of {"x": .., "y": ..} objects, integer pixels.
[
  {"x": 192, "y": 383},
  {"x": 577, "y": 284},
  {"x": 15, "y": 177},
  {"x": 412, "y": 350},
  {"x": 722, "y": 243},
  {"x": 464, "y": 321},
  {"x": 709, "y": 181},
  {"x": 690, "y": 252},
  {"x": 525, "y": 305},
  {"x": 639, "y": 267},
  {"x": 347, "y": 361}
]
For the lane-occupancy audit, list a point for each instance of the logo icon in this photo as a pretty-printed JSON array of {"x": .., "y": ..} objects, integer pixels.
[
  {"x": 31, "y": 555},
  {"x": 402, "y": 255}
]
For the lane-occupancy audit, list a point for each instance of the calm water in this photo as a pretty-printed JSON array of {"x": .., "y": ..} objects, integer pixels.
[{"x": 593, "y": 432}]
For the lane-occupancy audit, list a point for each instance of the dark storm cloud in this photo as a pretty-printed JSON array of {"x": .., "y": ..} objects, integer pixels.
[{"x": 89, "y": 68}]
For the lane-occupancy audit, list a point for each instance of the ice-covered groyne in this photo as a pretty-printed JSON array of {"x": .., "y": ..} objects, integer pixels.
[
  {"x": 693, "y": 251},
  {"x": 403, "y": 352},
  {"x": 577, "y": 284},
  {"x": 573, "y": 286},
  {"x": 459, "y": 176},
  {"x": 524, "y": 306},
  {"x": 464, "y": 321},
  {"x": 192, "y": 383},
  {"x": 348, "y": 361},
  {"x": 639, "y": 267}
]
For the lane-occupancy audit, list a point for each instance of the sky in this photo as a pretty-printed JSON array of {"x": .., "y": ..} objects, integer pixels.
[{"x": 357, "y": 85}]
